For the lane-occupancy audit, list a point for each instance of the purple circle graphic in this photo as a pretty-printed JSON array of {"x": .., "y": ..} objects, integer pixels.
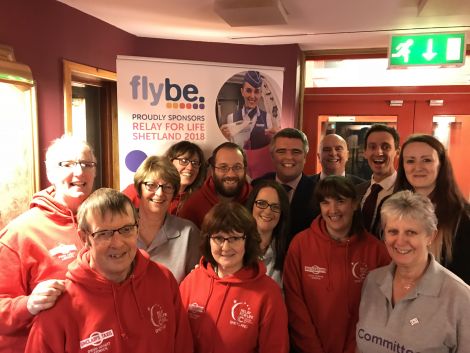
[{"x": 134, "y": 159}]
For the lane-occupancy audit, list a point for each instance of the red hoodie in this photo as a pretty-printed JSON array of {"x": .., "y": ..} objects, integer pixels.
[
  {"x": 140, "y": 315},
  {"x": 322, "y": 285},
  {"x": 202, "y": 200},
  {"x": 36, "y": 246},
  {"x": 241, "y": 313}
]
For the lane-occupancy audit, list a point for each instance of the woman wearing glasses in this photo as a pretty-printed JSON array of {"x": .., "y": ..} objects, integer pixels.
[
  {"x": 188, "y": 159},
  {"x": 170, "y": 240},
  {"x": 233, "y": 305},
  {"x": 269, "y": 204},
  {"x": 325, "y": 267}
]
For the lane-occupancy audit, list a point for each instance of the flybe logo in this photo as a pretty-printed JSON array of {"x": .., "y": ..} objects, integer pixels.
[{"x": 175, "y": 95}]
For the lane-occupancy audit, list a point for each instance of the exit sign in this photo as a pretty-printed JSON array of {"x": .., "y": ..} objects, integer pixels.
[{"x": 427, "y": 49}]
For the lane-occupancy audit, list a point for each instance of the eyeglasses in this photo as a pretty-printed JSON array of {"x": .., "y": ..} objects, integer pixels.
[
  {"x": 153, "y": 187},
  {"x": 184, "y": 162},
  {"x": 220, "y": 240},
  {"x": 73, "y": 164},
  {"x": 225, "y": 168},
  {"x": 262, "y": 204},
  {"x": 106, "y": 235}
]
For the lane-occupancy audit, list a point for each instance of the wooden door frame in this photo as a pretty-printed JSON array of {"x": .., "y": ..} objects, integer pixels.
[
  {"x": 110, "y": 149},
  {"x": 372, "y": 101}
]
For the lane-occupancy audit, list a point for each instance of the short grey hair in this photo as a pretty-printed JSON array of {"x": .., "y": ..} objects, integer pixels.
[
  {"x": 409, "y": 205},
  {"x": 65, "y": 143}
]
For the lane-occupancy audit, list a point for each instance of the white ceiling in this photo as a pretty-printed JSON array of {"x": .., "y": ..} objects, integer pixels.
[{"x": 313, "y": 24}]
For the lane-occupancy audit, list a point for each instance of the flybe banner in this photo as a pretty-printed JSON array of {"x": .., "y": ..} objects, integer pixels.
[{"x": 162, "y": 102}]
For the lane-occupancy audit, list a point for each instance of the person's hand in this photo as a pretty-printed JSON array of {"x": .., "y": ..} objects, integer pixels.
[
  {"x": 270, "y": 132},
  {"x": 226, "y": 132},
  {"x": 44, "y": 295}
]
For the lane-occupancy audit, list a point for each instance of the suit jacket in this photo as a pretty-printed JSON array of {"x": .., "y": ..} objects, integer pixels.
[
  {"x": 302, "y": 210},
  {"x": 351, "y": 177}
]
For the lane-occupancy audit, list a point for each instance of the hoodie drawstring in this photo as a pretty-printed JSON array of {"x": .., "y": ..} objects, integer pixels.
[
  {"x": 211, "y": 289},
  {"x": 347, "y": 279},
  {"x": 227, "y": 287},
  {"x": 123, "y": 334},
  {"x": 134, "y": 294},
  {"x": 329, "y": 286}
]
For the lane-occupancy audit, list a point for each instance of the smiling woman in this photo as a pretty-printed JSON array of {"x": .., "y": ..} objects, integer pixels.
[
  {"x": 414, "y": 295},
  {"x": 425, "y": 168},
  {"x": 269, "y": 204},
  {"x": 325, "y": 267},
  {"x": 230, "y": 300},
  {"x": 45, "y": 237},
  {"x": 170, "y": 240}
]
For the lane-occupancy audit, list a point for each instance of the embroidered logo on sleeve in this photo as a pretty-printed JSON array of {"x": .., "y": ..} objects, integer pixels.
[
  {"x": 242, "y": 315},
  {"x": 96, "y": 340},
  {"x": 315, "y": 272},
  {"x": 158, "y": 317},
  {"x": 414, "y": 321},
  {"x": 64, "y": 251}
]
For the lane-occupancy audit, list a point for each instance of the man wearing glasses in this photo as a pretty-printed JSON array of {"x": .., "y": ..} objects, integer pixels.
[
  {"x": 116, "y": 299},
  {"x": 228, "y": 182},
  {"x": 37, "y": 246}
]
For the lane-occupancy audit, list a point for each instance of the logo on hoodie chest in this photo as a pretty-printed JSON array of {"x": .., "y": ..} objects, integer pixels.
[
  {"x": 195, "y": 310},
  {"x": 315, "y": 272},
  {"x": 241, "y": 315},
  {"x": 158, "y": 317},
  {"x": 96, "y": 340},
  {"x": 359, "y": 271},
  {"x": 64, "y": 252}
]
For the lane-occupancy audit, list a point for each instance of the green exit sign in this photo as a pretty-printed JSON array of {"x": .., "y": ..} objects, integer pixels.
[{"x": 427, "y": 49}]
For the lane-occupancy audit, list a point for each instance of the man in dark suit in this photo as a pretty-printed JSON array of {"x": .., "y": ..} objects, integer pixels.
[
  {"x": 289, "y": 148},
  {"x": 381, "y": 149},
  {"x": 333, "y": 154}
]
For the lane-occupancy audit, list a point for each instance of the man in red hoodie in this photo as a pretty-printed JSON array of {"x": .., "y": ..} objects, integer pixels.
[
  {"x": 115, "y": 298},
  {"x": 37, "y": 246},
  {"x": 227, "y": 183}
]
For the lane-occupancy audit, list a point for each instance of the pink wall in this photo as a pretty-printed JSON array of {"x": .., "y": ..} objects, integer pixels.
[{"x": 43, "y": 32}]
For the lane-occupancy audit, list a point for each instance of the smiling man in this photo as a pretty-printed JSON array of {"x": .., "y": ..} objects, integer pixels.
[
  {"x": 333, "y": 155},
  {"x": 37, "y": 246},
  {"x": 381, "y": 150},
  {"x": 116, "y": 299},
  {"x": 289, "y": 148},
  {"x": 228, "y": 182}
]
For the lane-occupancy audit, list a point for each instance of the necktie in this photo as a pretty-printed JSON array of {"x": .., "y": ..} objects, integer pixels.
[
  {"x": 368, "y": 208},
  {"x": 287, "y": 187}
]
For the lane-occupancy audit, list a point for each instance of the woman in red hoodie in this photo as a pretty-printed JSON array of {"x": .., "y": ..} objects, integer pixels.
[
  {"x": 325, "y": 267},
  {"x": 233, "y": 306}
]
